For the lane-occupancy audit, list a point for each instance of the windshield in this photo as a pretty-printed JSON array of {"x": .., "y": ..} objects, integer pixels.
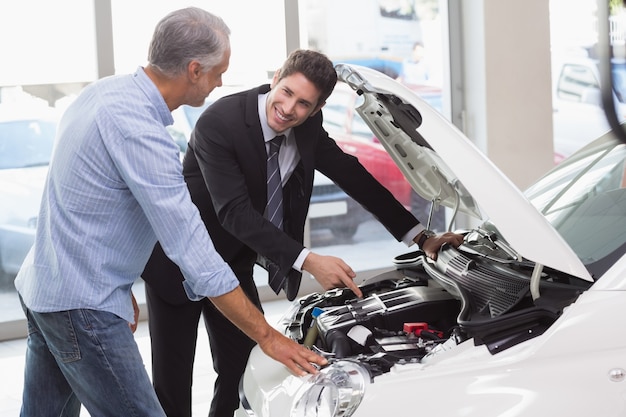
[
  {"x": 26, "y": 143},
  {"x": 585, "y": 201}
]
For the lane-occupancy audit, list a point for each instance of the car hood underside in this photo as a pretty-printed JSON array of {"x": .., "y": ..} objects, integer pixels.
[{"x": 443, "y": 166}]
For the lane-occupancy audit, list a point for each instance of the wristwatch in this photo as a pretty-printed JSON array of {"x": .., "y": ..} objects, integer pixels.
[{"x": 425, "y": 235}]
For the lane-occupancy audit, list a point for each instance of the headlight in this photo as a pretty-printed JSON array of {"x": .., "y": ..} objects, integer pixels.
[{"x": 336, "y": 391}]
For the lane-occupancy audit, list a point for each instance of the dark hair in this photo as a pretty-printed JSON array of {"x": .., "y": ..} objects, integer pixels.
[
  {"x": 185, "y": 35},
  {"x": 315, "y": 66}
]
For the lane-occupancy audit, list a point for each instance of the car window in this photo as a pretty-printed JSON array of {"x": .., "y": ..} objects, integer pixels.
[
  {"x": 579, "y": 82},
  {"x": 26, "y": 143},
  {"x": 575, "y": 81},
  {"x": 585, "y": 200}
]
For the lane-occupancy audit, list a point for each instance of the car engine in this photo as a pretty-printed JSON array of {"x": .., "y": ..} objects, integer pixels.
[
  {"x": 480, "y": 291},
  {"x": 380, "y": 329}
]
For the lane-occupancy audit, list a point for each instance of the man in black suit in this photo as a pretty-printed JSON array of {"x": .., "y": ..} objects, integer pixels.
[{"x": 226, "y": 170}]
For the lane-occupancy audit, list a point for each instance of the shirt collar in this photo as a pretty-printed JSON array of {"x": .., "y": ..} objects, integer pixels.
[
  {"x": 154, "y": 95},
  {"x": 268, "y": 132}
]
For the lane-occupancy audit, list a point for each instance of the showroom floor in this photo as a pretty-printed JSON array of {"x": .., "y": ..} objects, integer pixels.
[{"x": 12, "y": 364}]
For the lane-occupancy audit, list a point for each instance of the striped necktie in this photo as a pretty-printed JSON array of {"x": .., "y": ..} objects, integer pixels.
[{"x": 274, "y": 206}]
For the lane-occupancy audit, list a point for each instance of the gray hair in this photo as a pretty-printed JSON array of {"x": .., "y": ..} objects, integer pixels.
[{"x": 186, "y": 35}]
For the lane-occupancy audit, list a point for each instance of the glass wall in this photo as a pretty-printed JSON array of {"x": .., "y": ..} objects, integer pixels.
[
  {"x": 578, "y": 114},
  {"x": 257, "y": 34},
  {"x": 49, "y": 54},
  {"x": 42, "y": 74},
  {"x": 405, "y": 40}
]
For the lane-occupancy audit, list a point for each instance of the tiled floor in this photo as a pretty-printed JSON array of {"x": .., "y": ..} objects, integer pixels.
[{"x": 12, "y": 363}]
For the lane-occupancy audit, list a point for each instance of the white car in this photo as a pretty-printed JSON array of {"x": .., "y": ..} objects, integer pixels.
[
  {"x": 26, "y": 142},
  {"x": 502, "y": 325}
]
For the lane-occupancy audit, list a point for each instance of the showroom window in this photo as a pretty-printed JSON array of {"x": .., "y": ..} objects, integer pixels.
[
  {"x": 48, "y": 55},
  {"x": 43, "y": 73},
  {"x": 48, "y": 71},
  {"x": 405, "y": 39},
  {"x": 578, "y": 115}
]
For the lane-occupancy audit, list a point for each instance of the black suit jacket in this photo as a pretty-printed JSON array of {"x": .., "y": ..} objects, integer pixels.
[{"x": 225, "y": 170}]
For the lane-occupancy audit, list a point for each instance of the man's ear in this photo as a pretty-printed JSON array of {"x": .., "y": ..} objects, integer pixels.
[
  {"x": 275, "y": 78},
  {"x": 194, "y": 70}
]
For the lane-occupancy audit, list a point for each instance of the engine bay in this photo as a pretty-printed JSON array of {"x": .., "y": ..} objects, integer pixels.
[
  {"x": 407, "y": 313},
  {"x": 381, "y": 328}
]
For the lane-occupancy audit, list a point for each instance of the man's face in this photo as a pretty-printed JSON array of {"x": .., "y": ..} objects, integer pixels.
[
  {"x": 207, "y": 81},
  {"x": 291, "y": 101}
]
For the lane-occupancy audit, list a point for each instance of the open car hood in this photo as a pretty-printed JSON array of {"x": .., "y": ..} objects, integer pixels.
[{"x": 444, "y": 166}]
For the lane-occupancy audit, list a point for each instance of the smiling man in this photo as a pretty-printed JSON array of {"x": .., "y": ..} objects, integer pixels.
[
  {"x": 114, "y": 188},
  {"x": 226, "y": 168}
]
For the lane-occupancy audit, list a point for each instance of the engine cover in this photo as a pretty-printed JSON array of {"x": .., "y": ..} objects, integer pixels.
[{"x": 364, "y": 325}]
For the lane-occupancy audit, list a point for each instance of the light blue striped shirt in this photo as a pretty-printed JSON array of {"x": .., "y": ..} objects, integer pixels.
[{"x": 115, "y": 187}]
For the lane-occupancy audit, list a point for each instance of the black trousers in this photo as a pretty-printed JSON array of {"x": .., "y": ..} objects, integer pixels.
[{"x": 173, "y": 334}]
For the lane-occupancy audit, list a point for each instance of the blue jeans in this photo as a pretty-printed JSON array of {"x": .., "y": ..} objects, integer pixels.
[{"x": 88, "y": 357}]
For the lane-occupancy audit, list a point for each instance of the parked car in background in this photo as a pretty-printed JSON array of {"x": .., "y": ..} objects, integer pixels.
[
  {"x": 26, "y": 140},
  {"x": 498, "y": 326},
  {"x": 26, "y": 143},
  {"x": 577, "y": 103},
  {"x": 353, "y": 135},
  {"x": 331, "y": 208}
]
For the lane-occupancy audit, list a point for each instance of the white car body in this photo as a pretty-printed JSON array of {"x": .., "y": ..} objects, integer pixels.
[{"x": 532, "y": 356}]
